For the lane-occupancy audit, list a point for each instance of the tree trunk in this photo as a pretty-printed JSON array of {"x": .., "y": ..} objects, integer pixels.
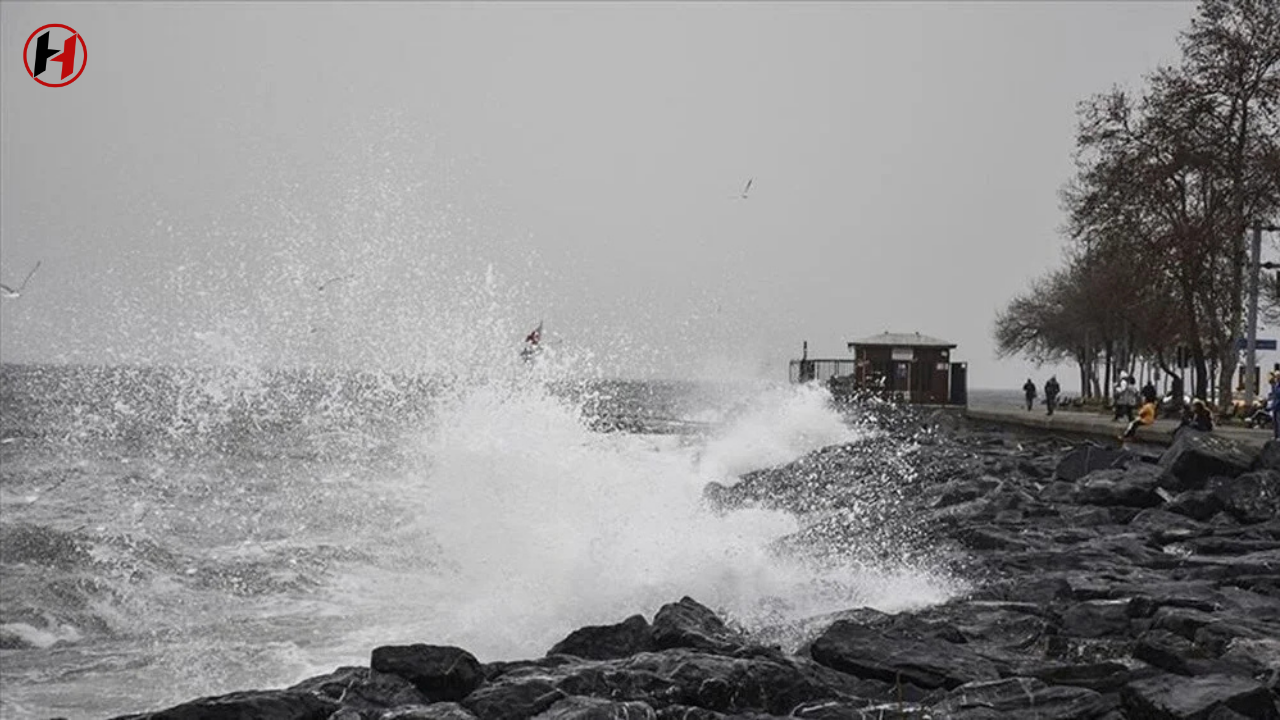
[{"x": 1108, "y": 381}]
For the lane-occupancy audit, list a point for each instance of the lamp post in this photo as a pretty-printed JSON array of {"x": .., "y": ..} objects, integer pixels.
[{"x": 1251, "y": 343}]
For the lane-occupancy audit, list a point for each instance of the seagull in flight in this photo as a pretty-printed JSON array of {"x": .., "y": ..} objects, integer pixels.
[
  {"x": 15, "y": 294},
  {"x": 333, "y": 280},
  {"x": 746, "y": 189}
]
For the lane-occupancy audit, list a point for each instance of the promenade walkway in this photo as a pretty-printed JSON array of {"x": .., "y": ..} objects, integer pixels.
[{"x": 1101, "y": 427}]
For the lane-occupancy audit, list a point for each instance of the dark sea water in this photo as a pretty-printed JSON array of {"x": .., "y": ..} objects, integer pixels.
[{"x": 169, "y": 533}]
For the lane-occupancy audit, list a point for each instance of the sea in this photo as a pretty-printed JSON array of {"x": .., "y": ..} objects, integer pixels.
[{"x": 174, "y": 532}]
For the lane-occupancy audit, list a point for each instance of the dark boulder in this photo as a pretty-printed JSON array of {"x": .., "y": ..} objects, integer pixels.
[
  {"x": 1165, "y": 527},
  {"x": 434, "y": 711},
  {"x": 1096, "y": 618},
  {"x": 1104, "y": 677},
  {"x": 1087, "y": 458},
  {"x": 1249, "y": 498},
  {"x": 257, "y": 704},
  {"x": 690, "y": 624},
  {"x": 1167, "y": 651},
  {"x": 602, "y": 642},
  {"x": 736, "y": 684},
  {"x": 1260, "y": 657},
  {"x": 1196, "y": 698},
  {"x": 588, "y": 708},
  {"x": 1268, "y": 457},
  {"x": 442, "y": 673},
  {"x": 1134, "y": 486},
  {"x": 1194, "y": 457},
  {"x": 1196, "y": 504},
  {"x": 894, "y": 656},
  {"x": 513, "y": 698},
  {"x": 1021, "y": 697},
  {"x": 361, "y": 688}
]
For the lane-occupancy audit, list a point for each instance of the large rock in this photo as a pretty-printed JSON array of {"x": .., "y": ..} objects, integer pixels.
[
  {"x": 513, "y": 698},
  {"x": 1194, "y": 457},
  {"x": 1166, "y": 527},
  {"x": 442, "y": 673},
  {"x": 760, "y": 681},
  {"x": 1097, "y": 618},
  {"x": 1134, "y": 486},
  {"x": 1196, "y": 504},
  {"x": 434, "y": 711},
  {"x": 1021, "y": 697},
  {"x": 890, "y": 656},
  {"x": 1087, "y": 458},
  {"x": 587, "y": 708},
  {"x": 602, "y": 642},
  {"x": 1103, "y": 677},
  {"x": 690, "y": 624},
  {"x": 257, "y": 704},
  {"x": 363, "y": 689},
  {"x": 1169, "y": 652},
  {"x": 1249, "y": 498},
  {"x": 1268, "y": 457},
  {"x": 1174, "y": 697}
]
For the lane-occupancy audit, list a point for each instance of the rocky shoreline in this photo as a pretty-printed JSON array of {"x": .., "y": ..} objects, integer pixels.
[{"x": 1106, "y": 584}]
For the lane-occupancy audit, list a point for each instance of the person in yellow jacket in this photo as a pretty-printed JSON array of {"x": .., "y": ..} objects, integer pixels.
[{"x": 1146, "y": 416}]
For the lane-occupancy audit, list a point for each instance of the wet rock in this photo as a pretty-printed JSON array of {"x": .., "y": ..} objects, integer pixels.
[
  {"x": 587, "y": 708},
  {"x": 690, "y": 624},
  {"x": 441, "y": 673},
  {"x": 1194, "y": 457},
  {"x": 1260, "y": 657},
  {"x": 1134, "y": 486},
  {"x": 896, "y": 657},
  {"x": 602, "y": 642},
  {"x": 435, "y": 711},
  {"x": 1103, "y": 677},
  {"x": 1021, "y": 697},
  {"x": 1041, "y": 590},
  {"x": 1166, "y": 527},
  {"x": 1087, "y": 458},
  {"x": 855, "y": 711},
  {"x": 363, "y": 689},
  {"x": 1196, "y": 504},
  {"x": 684, "y": 712},
  {"x": 258, "y": 704},
  {"x": 728, "y": 684},
  {"x": 1169, "y": 652},
  {"x": 513, "y": 698},
  {"x": 959, "y": 491},
  {"x": 1268, "y": 457},
  {"x": 1250, "y": 498},
  {"x": 1175, "y": 696},
  {"x": 1096, "y": 618}
]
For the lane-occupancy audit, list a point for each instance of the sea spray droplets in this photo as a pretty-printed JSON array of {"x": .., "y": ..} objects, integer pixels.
[
  {"x": 772, "y": 426},
  {"x": 543, "y": 525}
]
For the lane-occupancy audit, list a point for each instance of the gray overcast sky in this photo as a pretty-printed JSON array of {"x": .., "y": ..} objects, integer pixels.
[{"x": 216, "y": 161}]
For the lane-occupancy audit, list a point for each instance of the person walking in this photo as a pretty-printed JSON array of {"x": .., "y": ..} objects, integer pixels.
[
  {"x": 1029, "y": 390},
  {"x": 1126, "y": 399},
  {"x": 1051, "y": 390}
]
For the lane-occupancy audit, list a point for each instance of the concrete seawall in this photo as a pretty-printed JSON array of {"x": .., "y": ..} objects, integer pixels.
[{"x": 1100, "y": 427}]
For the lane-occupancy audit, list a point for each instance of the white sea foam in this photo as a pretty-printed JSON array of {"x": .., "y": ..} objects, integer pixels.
[{"x": 543, "y": 526}]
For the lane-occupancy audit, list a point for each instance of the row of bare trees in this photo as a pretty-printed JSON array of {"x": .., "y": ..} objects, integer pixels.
[{"x": 1168, "y": 183}]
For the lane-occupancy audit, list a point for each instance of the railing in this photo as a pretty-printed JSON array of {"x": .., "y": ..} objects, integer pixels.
[{"x": 820, "y": 370}]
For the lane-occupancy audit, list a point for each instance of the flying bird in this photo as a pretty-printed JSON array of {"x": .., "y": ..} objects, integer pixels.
[
  {"x": 10, "y": 292},
  {"x": 746, "y": 189},
  {"x": 333, "y": 280}
]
